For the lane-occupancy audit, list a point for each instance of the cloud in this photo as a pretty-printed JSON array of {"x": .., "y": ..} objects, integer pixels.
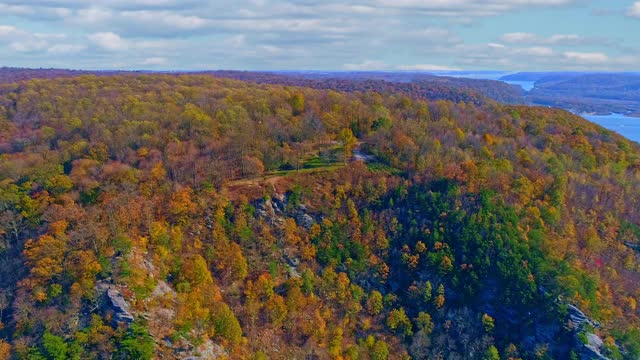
[
  {"x": 529, "y": 38},
  {"x": 519, "y": 37},
  {"x": 634, "y": 10},
  {"x": 30, "y": 45},
  {"x": 155, "y": 61},
  {"x": 587, "y": 57},
  {"x": 108, "y": 41},
  {"x": 92, "y": 15},
  {"x": 466, "y": 8},
  {"x": 534, "y": 51},
  {"x": 367, "y": 65},
  {"x": 65, "y": 49},
  {"x": 496, "y": 46},
  {"x": 7, "y": 31},
  {"x": 426, "y": 67},
  {"x": 165, "y": 19},
  {"x": 436, "y": 35},
  {"x": 413, "y": 35}
]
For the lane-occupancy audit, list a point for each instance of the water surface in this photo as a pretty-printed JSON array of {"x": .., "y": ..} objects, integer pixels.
[
  {"x": 526, "y": 85},
  {"x": 626, "y": 126}
]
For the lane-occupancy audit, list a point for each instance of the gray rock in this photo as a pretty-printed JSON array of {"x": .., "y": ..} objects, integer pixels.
[
  {"x": 305, "y": 220},
  {"x": 592, "y": 349},
  {"x": 113, "y": 301}
]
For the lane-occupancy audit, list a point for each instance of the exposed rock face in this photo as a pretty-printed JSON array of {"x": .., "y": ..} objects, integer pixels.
[
  {"x": 305, "y": 220},
  {"x": 275, "y": 211},
  {"x": 206, "y": 351},
  {"x": 112, "y": 301},
  {"x": 579, "y": 318},
  {"x": 209, "y": 351},
  {"x": 592, "y": 349}
]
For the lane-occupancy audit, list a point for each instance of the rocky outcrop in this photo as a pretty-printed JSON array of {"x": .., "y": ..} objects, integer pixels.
[
  {"x": 208, "y": 351},
  {"x": 594, "y": 345},
  {"x": 275, "y": 211},
  {"x": 111, "y": 302},
  {"x": 185, "y": 350}
]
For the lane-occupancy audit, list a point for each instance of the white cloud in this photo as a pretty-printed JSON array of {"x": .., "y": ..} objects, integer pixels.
[
  {"x": 155, "y": 61},
  {"x": 496, "y": 46},
  {"x": 30, "y": 45},
  {"x": 91, "y": 16},
  {"x": 519, "y": 37},
  {"x": 236, "y": 41},
  {"x": 426, "y": 67},
  {"x": 534, "y": 51},
  {"x": 367, "y": 65},
  {"x": 165, "y": 18},
  {"x": 587, "y": 57},
  {"x": 634, "y": 10},
  {"x": 108, "y": 41},
  {"x": 466, "y": 8},
  {"x": 63, "y": 49},
  {"x": 529, "y": 38},
  {"x": 436, "y": 35},
  {"x": 8, "y": 31}
]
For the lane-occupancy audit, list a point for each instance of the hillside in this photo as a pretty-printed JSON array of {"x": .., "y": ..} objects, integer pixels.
[
  {"x": 175, "y": 216},
  {"x": 419, "y": 85},
  {"x": 600, "y": 93}
]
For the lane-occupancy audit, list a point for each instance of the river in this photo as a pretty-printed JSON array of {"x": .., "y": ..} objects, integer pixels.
[{"x": 626, "y": 126}]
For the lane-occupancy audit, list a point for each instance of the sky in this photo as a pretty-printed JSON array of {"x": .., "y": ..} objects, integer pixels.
[{"x": 424, "y": 35}]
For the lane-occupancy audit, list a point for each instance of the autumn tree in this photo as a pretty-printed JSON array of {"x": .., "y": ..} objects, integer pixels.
[{"x": 348, "y": 141}]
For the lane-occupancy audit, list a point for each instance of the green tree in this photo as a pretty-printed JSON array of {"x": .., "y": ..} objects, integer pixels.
[
  {"x": 491, "y": 354},
  {"x": 226, "y": 324},
  {"x": 424, "y": 322},
  {"x": 398, "y": 321},
  {"x": 55, "y": 347},
  {"x": 375, "y": 303},
  {"x": 379, "y": 350},
  {"x": 136, "y": 343}
]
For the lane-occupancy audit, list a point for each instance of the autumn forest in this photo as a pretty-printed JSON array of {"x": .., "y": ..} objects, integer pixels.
[{"x": 195, "y": 216}]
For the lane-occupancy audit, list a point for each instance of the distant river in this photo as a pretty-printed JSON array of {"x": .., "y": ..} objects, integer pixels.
[
  {"x": 626, "y": 126},
  {"x": 526, "y": 85}
]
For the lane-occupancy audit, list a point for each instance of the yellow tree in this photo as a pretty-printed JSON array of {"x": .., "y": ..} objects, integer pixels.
[{"x": 348, "y": 141}]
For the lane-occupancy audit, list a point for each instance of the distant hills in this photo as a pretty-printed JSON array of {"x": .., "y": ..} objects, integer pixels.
[
  {"x": 580, "y": 92},
  {"x": 598, "y": 93}
]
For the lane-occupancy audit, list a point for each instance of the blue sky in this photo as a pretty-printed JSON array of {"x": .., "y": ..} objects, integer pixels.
[{"x": 426, "y": 35}]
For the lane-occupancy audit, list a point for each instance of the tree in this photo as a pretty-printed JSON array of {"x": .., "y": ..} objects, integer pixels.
[
  {"x": 398, "y": 321},
  {"x": 439, "y": 300},
  {"x": 5, "y": 350},
  {"x": 348, "y": 141},
  {"x": 491, "y": 354},
  {"x": 488, "y": 323},
  {"x": 252, "y": 166},
  {"x": 136, "y": 343},
  {"x": 374, "y": 303},
  {"x": 55, "y": 347},
  {"x": 297, "y": 104},
  {"x": 379, "y": 350},
  {"x": 424, "y": 322},
  {"x": 193, "y": 274},
  {"x": 226, "y": 324},
  {"x": 45, "y": 256},
  {"x": 427, "y": 292}
]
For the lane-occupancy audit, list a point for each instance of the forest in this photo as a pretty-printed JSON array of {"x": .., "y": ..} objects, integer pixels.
[{"x": 178, "y": 216}]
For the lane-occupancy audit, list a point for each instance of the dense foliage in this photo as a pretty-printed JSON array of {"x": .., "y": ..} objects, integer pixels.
[
  {"x": 417, "y": 85},
  {"x": 266, "y": 221}
]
